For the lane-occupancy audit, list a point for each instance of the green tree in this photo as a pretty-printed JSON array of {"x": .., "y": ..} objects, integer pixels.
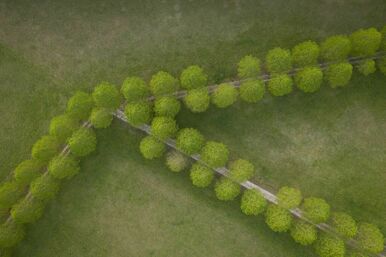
[
  {"x": 366, "y": 67},
  {"x": 62, "y": 167},
  {"x": 381, "y": 63},
  {"x": 383, "y": 44},
  {"x": 289, "y": 197},
  {"x": 151, "y": 148},
  {"x": 278, "y": 60},
  {"x": 82, "y": 142},
  {"x": 45, "y": 148},
  {"x": 164, "y": 127},
  {"x": 10, "y": 193},
  {"x": 309, "y": 79},
  {"x": 329, "y": 246},
  {"x": 163, "y": 83},
  {"x": 11, "y": 234},
  {"x": 338, "y": 75},
  {"x": 252, "y": 91},
  {"x": 138, "y": 113},
  {"x": 344, "y": 224},
  {"x": 193, "y": 77},
  {"x": 28, "y": 210},
  {"x": 134, "y": 89},
  {"x": 241, "y": 170},
  {"x": 305, "y": 53},
  {"x": 316, "y": 209},
  {"x": 226, "y": 189},
  {"x": 335, "y": 48},
  {"x": 167, "y": 106},
  {"x": 27, "y": 171},
  {"x": 370, "y": 238},
  {"x": 45, "y": 187},
  {"x": 253, "y": 202},
  {"x": 197, "y": 100},
  {"x": 303, "y": 232},
  {"x": 365, "y": 42},
  {"x": 106, "y": 95},
  {"x": 224, "y": 95},
  {"x": 248, "y": 67},
  {"x": 278, "y": 218},
  {"x": 190, "y": 141},
  {"x": 280, "y": 85},
  {"x": 63, "y": 126},
  {"x": 176, "y": 161},
  {"x": 201, "y": 175},
  {"x": 79, "y": 106},
  {"x": 101, "y": 117},
  {"x": 215, "y": 154}
]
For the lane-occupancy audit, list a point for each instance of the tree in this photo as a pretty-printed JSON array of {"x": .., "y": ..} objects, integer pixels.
[
  {"x": 278, "y": 218},
  {"x": 197, "y": 100},
  {"x": 163, "y": 83},
  {"x": 134, "y": 89},
  {"x": 138, "y": 113},
  {"x": 10, "y": 193},
  {"x": 316, "y": 209},
  {"x": 106, "y": 95},
  {"x": 226, "y": 189},
  {"x": 28, "y": 210},
  {"x": 151, "y": 148},
  {"x": 253, "y": 202},
  {"x": 370, "y": 238},
  {"x": 252, "y": 91},
  {"x": 167, "y": 106},
  {"x": 278, "y": 60},
  {"x": 62, "y": 167},
  {"x": 79, "y": 106},
  {"x": 27, "y": 171},
  {"x": 383, "y": 44},
  {"x": 303, "y": 232},
  {"x": 357, "y": 254},
  {"x": 11, "y": 234},
  {"x": 163, "y": 127},
  {"x": 366, "y": 67},
  {"x": 190, "y": 141},
  {"x": 309, "y": 79},
  {"x": 335, "y": 48},
  {"x": 176, "y": 161},
  {"x": 365, "y": 42},
  {"x": 248, "y": 67},
  {"x": 45, "y": 148},
  {"x": 45, "y": 187},
  {"x": 329, "y": 246},
  {"x": 224, "y": 95},
  {"x": 101, "y": 117},
  {"x": 338, "y": 75},
  {"x": 63, "y": 126},
  {"x": 82, "y": 142},
  {"x": 201, "y": 175},
  {"x": 193, "y": 77},
  {"x": 305, "y": 53},
  {"x": 344, "y": 224},
  {"x": 381, "y": 63},
  {"x": 241, "y": 170},
  {"x": 214, "y": 154},
  {"x": 280, "y": 85},
  {"x": 289, "y": 197}
]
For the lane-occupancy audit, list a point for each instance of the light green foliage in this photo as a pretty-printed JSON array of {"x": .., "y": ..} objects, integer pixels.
[
  {"x": 224, "y": 95},
  {"x": 27, "y": 171},
  {"x": 316, "y": 209},
  {"x": 45, "y": 148},
  {"x": 357, "y": 254},
  {"x": 215, "y": 154},
  {"x": 303, "y": 232},
  {"x": 163, "y": 83},
  {"x": 28, "y": 210},
  {"x": 280, "y": 85},
  {"x": 134, "y": 89},
  {"x": 253, "y": 202},
  {"x": 193, "y": 77},
  {"x": 309, "y": 79},
  {"x": 338, "y": 75},
  {"x": 305, "y": 54},
  {"x": 63, "y": 126},
  {"x": 63, "y": 166},
  {"x": 164, "y": 127},
  {"x": 176, "y": 161},
  {"x": 344, "y": 224},
  {"x": 201, "y": 175},
  {"x": 335, "y": 48},
  {"x": 226, "y": 189},
  {"x": 197, "y": 100},
  {"x": 381, "y": 63},
  {"x": 278, "y": 218},
  {"x": 79, "y": 106},
  {"x": 278, "y": 60},
  {"x": 10, "y": 193},
  {"x": 289, "y": 197},
  {"x": 106, "y": 95},
  {"x": 151, "y": 148},
  {"x": 167, "y": 106},
  {"x": 370, "y": 238},
  {"x": 328, "y": 246},
  {"x": 190, "y": 141},
  {"x": 138, "y": 113},
  {"x": 365, "y": 42},
  {"x": 82, "y": 142},
  {"x": 248, "y": 67},
  {"x": 366, "y": 67},
  {"x": 11, "y": 234},
  {"x": 45, "y": 187},
  {"x": 101, "y": 117},
  {"x": 241, "y": 170},
  {"x": 252, "y": 91}
]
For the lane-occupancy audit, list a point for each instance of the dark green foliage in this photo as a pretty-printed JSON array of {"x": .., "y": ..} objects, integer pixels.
[
  {"x": 106, "y": 95},
  {"x": 241, "y": 170},
  {"x": 224, "y": 95},
  {"x": 134, "y": 89},
  {"x": 82, "y": 142},
  {"x": 201, "y": 175},
  {"x": 365, "y": 42},
  {"x": 138, "y": 113},
  {"x": 27, "y": 171},
  {"x": 101, "y": 117},
  {"x": 344, "y": 224},
  {"x": 63, "y": 166},
  {"x": 328, "y": 246},
  {"x": 190, "y": 141},
  {"x": 10, "y": 193},
  {"x": 45, "y": 148},
  {"x": 309, "y": 79},
  {"x": 383, "y": 43},
  {"x": 366, "y": 67},
  {"x": 335, "y": 48},
  {"x": 289, "y": 197},
  {"x": 151, "y": 148},
  {"x": 316, "y": 209},
  {"x": 79, "y": 106},
  {"x": 370, "y": 238},
  {"x": 381, "y": 63},
  {"x": 193, "y": 77},
  {"x": 163, "y": 83},
  {"x": 248, "y": 67},
  {"x": 63, "y": 126},
  {"x": 278, "y": 60},
  {"x": 45, "y": 187},
  {"x": 197, "y": 100},
  {"x": 226, "y": 189},
  {"x": 338, "y": 75},
  {"x": 176, "y": 161},
  {"x": 167, "y": 106},
  {"x": 253, "y": 202},
  {"x": 280, "y": 85},
  {"x": 11, "y": 234},
  {"x": 6, "y": 252},
  {"x": 215, "y": 154},
  {"x": 164, "y": 127},
  {"x": 305, "y": 54},
  {"x": 252, "y": 91},
  {"x": 303, "y": 232},
  {"x": 278, "y": 218},
  {"x": 28, "y": 210}
]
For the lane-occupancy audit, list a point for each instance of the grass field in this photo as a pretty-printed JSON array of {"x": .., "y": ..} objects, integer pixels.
[{"x": 328, "y": 144}]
